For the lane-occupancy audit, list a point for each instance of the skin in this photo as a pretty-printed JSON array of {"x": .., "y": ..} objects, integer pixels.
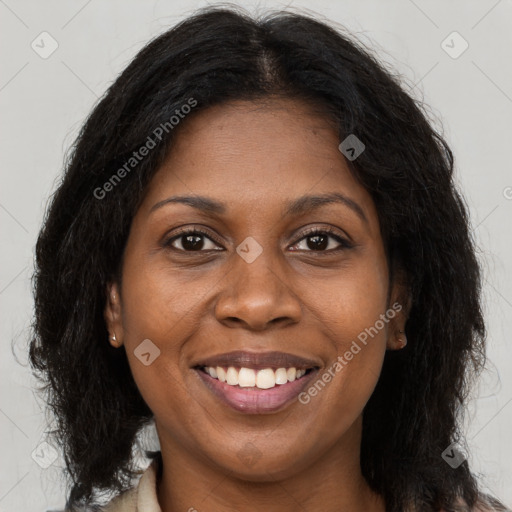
[{"x": 312, "y": 303}]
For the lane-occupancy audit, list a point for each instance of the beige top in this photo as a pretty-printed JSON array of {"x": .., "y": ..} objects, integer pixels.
[{"x": 141, "y": 498}]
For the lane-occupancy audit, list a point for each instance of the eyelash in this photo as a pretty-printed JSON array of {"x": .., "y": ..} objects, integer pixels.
[{"x": 344, "y": 244}]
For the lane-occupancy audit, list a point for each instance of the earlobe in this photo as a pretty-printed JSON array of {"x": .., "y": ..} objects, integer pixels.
[
  {"x": 397, "y": 338},
  {"x": 112, "y": 315},
  {"x": 398, "y": 341},
  {"x": 114, "y": 342}
]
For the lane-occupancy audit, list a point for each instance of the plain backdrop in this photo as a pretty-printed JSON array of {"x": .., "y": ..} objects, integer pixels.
[{"x": 45, "y": 98}]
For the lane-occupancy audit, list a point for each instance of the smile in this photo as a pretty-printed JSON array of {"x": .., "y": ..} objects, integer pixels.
[
  {"x": 249, "y": 378},
  {"x": 256, "y": 383}
]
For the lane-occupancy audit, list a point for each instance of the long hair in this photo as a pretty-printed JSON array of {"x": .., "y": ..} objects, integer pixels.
[{"x": 215, "y": 56}]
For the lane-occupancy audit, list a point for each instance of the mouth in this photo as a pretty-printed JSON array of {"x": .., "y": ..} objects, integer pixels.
[{"x": 256, "y": 383}]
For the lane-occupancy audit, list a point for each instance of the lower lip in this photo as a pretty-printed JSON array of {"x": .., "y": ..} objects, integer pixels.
[{"x": 255, "y": 400}]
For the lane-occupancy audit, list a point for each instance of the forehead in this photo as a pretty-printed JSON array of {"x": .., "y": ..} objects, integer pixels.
[{"x": 257, "y": 154}]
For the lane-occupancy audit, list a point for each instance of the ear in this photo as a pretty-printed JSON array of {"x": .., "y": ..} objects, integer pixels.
[
  {"x": 112, "y": 315},
  {"x": 400, "y": 303}
]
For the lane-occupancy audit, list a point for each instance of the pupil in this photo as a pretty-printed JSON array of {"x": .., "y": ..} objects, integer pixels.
[
  {"x": 321, "y": 242},
  {"x": 192, "y": 242}
]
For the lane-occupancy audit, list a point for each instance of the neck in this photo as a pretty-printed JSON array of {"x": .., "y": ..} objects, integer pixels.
[{"x": 332, "y": 483}]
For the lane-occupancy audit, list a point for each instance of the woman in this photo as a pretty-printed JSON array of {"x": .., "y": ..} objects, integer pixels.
[{"x": 257, "y": 245}]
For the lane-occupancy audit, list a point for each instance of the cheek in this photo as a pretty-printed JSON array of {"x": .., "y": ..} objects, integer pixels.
[
  {"x": 174, "y": 407},
  {"x": 157, "y": 300},
  {"x": 164, "y": 306},
  {"x": 350, "y": 311},
  {"x": 350, "y": 302}
]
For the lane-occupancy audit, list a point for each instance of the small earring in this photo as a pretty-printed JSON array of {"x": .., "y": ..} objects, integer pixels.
[
  {"x": 115, "y": 339},
  {"x": 403, "y": 342}
]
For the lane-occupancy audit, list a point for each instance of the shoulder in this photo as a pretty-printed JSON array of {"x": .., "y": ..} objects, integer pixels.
[
  {"x": 140, "y": 498},
  {"x": 125, "y": 502}
]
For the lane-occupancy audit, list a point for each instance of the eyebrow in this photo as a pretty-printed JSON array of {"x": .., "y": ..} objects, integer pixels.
[
  {"x": 306, "y": 204},
  {"x": 301, "y": 205}
]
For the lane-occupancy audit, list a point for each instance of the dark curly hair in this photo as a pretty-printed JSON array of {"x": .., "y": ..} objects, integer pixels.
[{"x": 215, "y": 56}]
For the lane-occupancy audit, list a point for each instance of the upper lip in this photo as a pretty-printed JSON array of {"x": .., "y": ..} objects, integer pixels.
[{"x": 258, "y": 360}]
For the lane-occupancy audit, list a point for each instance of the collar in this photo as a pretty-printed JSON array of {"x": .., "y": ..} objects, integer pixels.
[{"x": 142, "y": 497}]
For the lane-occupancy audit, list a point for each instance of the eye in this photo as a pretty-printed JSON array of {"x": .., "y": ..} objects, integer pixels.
[
  {"x": 322, "y": 240},
  {"x": 315, "y": 239},
  {"x": 192, "y": 240}
]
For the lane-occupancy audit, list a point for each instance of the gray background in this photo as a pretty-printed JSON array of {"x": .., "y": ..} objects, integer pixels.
[{"x": 43, "y": 102}]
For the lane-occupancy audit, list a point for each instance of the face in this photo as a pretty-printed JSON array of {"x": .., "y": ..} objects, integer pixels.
[{"x": 249, "y": 273}]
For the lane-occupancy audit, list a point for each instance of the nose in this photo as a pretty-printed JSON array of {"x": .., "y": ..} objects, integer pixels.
[{"x": 256, "y": 296}]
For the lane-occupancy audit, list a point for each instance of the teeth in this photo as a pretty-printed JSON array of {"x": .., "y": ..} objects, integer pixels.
[
  {"x": 246, "y": 378},
  {"x": 291, "y": 374},
  {"x": 281, "y": 377},
  {"x": 232, "y": 377},
  {"x": 249, "y": 378},
  {"x": 266, "y": 379},
  {"x": 221, "y": 374}
]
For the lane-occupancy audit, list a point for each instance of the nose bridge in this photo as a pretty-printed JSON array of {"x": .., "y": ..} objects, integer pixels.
[
  {"x": 255, "y": 290},
  {"x": 258, "y": 275}
]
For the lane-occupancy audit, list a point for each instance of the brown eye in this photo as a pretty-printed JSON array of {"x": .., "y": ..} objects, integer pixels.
[
  {"x": 321, "y": 240},
  {"x": 192, "y": 240}
]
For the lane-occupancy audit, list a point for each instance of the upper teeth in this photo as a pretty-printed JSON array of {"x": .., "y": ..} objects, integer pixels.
[{"x": 247, "y": 377}]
